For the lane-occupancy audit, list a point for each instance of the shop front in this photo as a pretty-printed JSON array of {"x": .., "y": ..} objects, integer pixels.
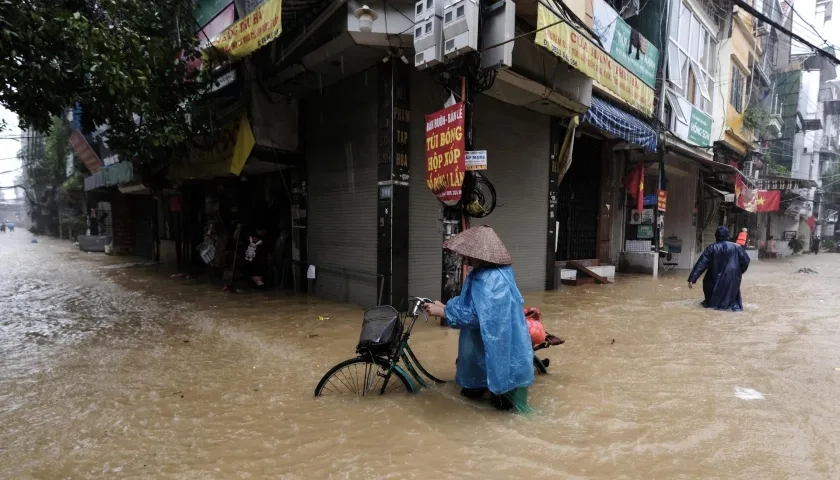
[{"x": 613, "y": 139}]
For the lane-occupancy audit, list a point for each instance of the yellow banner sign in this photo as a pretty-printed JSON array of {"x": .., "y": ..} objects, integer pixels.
[
  {"x": 251, "y": 33},
  {"x": 585, "y": 56},
  {"x": 230, "y": 150}
]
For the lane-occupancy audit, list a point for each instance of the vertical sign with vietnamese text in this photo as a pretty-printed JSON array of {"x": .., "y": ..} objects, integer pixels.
[
  {"x": 445, "y": 154},
  {"x": 661, "y": 200}
]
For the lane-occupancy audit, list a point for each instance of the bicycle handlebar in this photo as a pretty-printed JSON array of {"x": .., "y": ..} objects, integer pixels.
[
  {"x": 419, "y": 303},
  {"x": 422, "y": 300}
]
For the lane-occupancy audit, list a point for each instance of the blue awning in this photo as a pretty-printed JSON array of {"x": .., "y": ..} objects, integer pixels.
[{"x": 621, "y": 124}]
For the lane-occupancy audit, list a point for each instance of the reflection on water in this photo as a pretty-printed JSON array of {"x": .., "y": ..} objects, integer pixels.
[{"x": 128, "y": 373}]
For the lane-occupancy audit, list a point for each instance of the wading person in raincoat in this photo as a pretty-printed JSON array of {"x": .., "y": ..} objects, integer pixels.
[
  {"x": 724, "y": 263},
  {"x": 494, "y": 348}
]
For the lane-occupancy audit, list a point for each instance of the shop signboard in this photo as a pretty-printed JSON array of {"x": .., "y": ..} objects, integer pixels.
[
  {"x": 661, "y": 200},
  {"x": 691, "y": 124},
  {"x": 445, "y": 153},
  {"x": 216, "y": 26},
  {"x": 644, "y": 232},
  {"x": 700, "y": 128},
  {"x": 476, "y": 160},
  {"x": 206, "y": 10},
  {"x": 624, "y": 44},
  {"x": 250, "y": 33},
  {"x": 584, "y": 55}
]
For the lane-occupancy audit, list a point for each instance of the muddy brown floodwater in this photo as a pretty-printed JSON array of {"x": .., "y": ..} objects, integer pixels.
[{"x": 127, "y": 373}]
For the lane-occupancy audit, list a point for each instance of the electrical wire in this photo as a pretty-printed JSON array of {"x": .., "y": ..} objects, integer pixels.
[{"x": 479, "y": 195}]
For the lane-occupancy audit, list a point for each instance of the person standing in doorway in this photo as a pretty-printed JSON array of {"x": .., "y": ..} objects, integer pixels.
[
  {"x": 724, "y": 263},
  {"x": 282, "y": 249},
  {"x": 93, "y": 223},
  {"x": 742, "y": 238},
  {"x": 256, "y": 257}
]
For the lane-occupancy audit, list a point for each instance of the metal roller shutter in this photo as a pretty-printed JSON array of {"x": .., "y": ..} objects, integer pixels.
[
  {"x": 425, "y": 235},
  {"x": 517, "y": 144},
  {"x": 341, "y": 151}
]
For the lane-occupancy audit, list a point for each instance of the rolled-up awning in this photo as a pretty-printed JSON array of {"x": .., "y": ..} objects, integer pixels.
[
  {"x": 728, "y": 197},
  {"x": 623, "y": 125}
]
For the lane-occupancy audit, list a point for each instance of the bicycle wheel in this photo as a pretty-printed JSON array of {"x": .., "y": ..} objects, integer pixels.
[{"x": 361, "y": 377}]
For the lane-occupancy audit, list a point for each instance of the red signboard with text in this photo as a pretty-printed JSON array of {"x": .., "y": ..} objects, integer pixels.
[
  {"x": 445, "y": 153},
  {"x": 661, "y": 200}
]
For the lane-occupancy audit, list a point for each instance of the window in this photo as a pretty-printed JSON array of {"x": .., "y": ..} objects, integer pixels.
[
  {"x": 736, "y": 94},
  {"x": 692, "y": 54},
  {"x": 824, "y": 11},
  {"x": 771, "y": 48}
]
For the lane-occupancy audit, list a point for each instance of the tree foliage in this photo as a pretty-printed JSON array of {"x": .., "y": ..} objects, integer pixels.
[
  {"x": 124, "y": 62},
  {"x": 45, "y": 160}
]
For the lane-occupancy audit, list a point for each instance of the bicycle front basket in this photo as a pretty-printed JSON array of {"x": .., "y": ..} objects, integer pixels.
[{"x": 381, "y": 330}]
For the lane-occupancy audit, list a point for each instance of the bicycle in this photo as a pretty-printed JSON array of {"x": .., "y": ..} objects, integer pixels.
[{"x": 383, "y": 353}]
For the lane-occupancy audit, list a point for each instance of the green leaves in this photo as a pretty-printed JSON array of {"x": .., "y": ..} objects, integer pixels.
[{"x": 114, "y": 58}]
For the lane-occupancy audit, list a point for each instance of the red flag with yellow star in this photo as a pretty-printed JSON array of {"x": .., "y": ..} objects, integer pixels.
[
  {"x": 768, "y": 201},
  {"x": 634, "y": 181}
]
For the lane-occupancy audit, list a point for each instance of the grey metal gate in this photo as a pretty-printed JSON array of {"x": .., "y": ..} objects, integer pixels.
[{"x": 341, "y": 153}]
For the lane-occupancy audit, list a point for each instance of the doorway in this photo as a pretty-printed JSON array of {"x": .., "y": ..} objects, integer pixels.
[{"x": 578, "y": 201}]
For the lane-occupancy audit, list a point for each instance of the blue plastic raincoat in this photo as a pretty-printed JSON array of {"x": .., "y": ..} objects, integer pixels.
[
  {"x": 724, "y": 263},
  {"x": 494, "y": 347}
]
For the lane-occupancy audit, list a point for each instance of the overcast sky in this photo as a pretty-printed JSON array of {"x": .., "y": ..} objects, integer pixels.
[{"x": 8, "y": 153}]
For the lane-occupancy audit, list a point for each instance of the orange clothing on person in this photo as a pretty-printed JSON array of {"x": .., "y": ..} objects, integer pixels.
[{"x": 742, "y": 239}]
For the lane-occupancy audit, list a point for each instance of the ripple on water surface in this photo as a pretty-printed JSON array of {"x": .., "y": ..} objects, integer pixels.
[{"x": 127, "y": 373}]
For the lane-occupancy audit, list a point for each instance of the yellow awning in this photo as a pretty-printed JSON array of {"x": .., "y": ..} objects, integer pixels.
[{"x": 227, "y": 156}]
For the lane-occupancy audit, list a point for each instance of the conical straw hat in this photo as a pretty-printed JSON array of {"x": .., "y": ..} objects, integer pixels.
[{"x": 480, "y": 243}]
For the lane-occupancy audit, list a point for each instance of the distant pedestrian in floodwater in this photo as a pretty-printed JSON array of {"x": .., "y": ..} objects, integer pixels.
[
  {"x": 724, "y": 263},
  {"x": 742, "y": 237}
]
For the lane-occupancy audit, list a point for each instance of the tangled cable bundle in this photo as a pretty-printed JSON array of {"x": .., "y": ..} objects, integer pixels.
[{"x": 479, "y": 195}]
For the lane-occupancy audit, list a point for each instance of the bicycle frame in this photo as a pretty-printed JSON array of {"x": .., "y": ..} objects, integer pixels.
[{"x": 408, "y": 358}]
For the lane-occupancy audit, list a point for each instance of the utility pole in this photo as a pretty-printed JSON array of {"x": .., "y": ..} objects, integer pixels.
[{"x": 660, "y": 116}]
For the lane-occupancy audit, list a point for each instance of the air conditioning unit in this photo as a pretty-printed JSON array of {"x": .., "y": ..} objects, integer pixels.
[
  {"x": 460, "y": 27},
  {"x": 428, "y": 37},
  {"x": 749, "y": 168},
  {"x": 762, "y": 30}
]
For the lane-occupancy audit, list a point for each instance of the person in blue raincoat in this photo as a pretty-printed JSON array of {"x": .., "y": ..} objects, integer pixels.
[
  {"x": 724, "y": 263},
  {"x": 494, "y": 347}
]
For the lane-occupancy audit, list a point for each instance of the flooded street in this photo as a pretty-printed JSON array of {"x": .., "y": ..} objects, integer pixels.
[{"x": 127, "y": 373}]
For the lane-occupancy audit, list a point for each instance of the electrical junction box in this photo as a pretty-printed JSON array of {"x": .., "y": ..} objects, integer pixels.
[
  {"x": 426, "y": 9},
  {"x": 428, "y": 38},
  {"x": 499, "y": 29},
  {"x": 460, "y": 27}
]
